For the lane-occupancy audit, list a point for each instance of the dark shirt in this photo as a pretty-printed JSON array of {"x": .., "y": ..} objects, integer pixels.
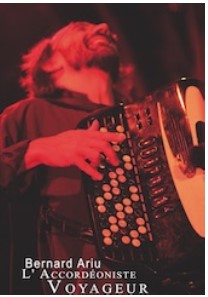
[
  {"x": 34, "y": 118},
  {"x": 23, "y": 191}
]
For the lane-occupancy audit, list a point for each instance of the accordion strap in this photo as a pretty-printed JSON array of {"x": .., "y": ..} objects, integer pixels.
[{"x": 64, "y": 225}]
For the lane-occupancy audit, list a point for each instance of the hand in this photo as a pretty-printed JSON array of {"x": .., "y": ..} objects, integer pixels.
[{"x": 81, "y": 148}]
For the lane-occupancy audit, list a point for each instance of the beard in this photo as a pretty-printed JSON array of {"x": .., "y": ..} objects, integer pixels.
[
  {"x": 108, "y": 63},
  {"x": 103, "y": 56}
]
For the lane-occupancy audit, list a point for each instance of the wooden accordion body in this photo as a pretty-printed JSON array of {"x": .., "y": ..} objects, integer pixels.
[{"x": 139, "y": 210}]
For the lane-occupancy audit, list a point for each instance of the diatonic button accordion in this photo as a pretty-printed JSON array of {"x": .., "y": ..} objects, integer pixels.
[{"x": 138, "y": 218}]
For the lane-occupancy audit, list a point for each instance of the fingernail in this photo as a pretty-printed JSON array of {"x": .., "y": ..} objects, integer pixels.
[{"x": 122, "y": 136}]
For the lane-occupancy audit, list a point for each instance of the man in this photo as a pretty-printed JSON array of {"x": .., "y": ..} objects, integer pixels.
[
  {"x": 43, "y": 154},
  {"x": 67, "y": 77}
]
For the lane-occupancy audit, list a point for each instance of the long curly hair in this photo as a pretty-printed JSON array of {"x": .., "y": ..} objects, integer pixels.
[
  {"x": 39, "y": 82},
  {"x": 35, "y": 80}
]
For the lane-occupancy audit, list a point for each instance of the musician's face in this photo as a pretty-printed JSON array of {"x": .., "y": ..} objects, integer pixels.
[{"x": 84, "y": 45}]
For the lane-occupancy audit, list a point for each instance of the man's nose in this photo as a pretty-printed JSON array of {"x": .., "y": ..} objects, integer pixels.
[{"x": 102, "y": 28}]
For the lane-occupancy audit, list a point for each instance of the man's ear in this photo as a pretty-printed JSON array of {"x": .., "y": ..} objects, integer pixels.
[
  {"x": 38, "y": 68},
  {"x": 49, "y": 68},
  {"x": 54, "y": 63}
]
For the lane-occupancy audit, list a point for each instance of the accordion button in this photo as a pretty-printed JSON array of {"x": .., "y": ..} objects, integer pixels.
[
  {"x": 101, "y": 208},
  {"x": 116, "y": 191},
  {"x": 107, "y": 241},
  {"x": 112, "y": 174},
  {"x": 136, "y": 242},
  {"x": 135, "y": 197},
  {"x": 126, "y": 201},
  {"x": 154, "y": 170},
  {"x": 126, "y": 158},
  {"x": 157, "y": 191},
  {"x": 128, "y": 166},
  {"x": 151, "y": 162},
  {"x": 114, "y": 228},
  {"x": 122, "y": 223},
  {"x": 154, "y": 181},
  {"x": 133, "y": 189},
  {"x": 140, "y": 221},
  {"x": 121, "y": 178},
  {"x": 106, "y": 232},
  {"x": 128, "y": 210},
  {"x": 148, "y": 152},
  {"x": 116, "y": 147},
  {"x": 112, "y": 220},
  {"x": 120, "y": 215},
  {"x": 119, "y": 171},
  {"x": 134, "y": 234},
  {"x": 157, "y": 202},
  {"x": 120, "y": 129},
  {"x": 119, "y": 206},
  {"x": 114, "y": 183},
  {"x": 107, "y": 196},
  {"x": 146, "y": 142},
  {"x": 103, "y": 129},
  {"x": 142, "y": 229},
  {"x": 106, "y": 187},
  {"x": 126, "y": 239},
  {"x": 99, "y": 200}
]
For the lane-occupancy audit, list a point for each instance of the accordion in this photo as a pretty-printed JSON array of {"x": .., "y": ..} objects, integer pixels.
[{"x": 148, "y": 212}]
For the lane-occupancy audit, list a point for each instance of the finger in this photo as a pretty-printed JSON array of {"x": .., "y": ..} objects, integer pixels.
[
  {"x": 106, "y": 149},
  {"x": 91, "y": 155},
  {"x": 95, "y": 162},
  {"x": 109, "y": 136},
  {"x": 86, "y": 135},
  {"x": 94, "y": 126},
  {"x": 88, "y": 169},
  {"x": 110, "y": 154}
]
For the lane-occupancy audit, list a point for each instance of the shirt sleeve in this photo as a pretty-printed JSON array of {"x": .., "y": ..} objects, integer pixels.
[
  {"x": 12, "y": 148},
  {"x": 12, "y": 162}
]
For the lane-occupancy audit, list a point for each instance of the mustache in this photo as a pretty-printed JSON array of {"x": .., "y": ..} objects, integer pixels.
[{"x": 107, "y": 37}]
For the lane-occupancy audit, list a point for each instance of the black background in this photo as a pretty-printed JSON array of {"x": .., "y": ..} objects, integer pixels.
[{"x": 163, "y": 41}]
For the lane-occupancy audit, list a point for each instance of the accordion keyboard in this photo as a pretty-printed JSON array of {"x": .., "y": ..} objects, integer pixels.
[{"x": 118, "y": 206}]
